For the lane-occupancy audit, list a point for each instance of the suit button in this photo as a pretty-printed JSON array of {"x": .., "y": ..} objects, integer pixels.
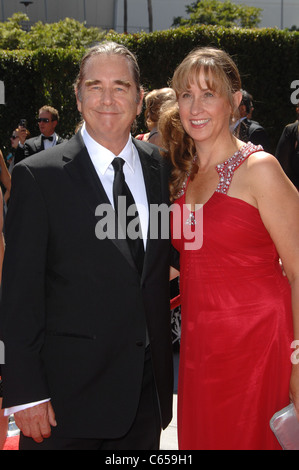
[{"x": 139, "y": 343}]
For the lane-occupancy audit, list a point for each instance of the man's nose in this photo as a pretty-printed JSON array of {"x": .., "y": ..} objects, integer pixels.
[{"x": 107, "y": 96}]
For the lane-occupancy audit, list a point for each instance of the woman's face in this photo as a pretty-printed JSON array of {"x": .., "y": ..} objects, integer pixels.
[
  {"x": 205, "y": 113},
  {"x": 14, "y": 139}
]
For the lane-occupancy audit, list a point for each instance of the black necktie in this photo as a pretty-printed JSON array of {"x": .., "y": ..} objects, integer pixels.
[
  {"x": 120, "y": 188},
  {"x": 47, "y": 138}
]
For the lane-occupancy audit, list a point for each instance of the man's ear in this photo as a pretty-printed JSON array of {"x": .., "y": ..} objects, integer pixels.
[{"x": 78, "y": 99}]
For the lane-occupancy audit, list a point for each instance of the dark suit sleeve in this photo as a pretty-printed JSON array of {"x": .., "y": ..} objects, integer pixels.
[
  {"x": 260, "y": 137},
  {"x": 285, "y": 148},
  {"x": 174, "y": 258},
  {"x": 22, "y": 313},
  {"x": 20, "y": 154},
  {"x": 174, "y": 254}
]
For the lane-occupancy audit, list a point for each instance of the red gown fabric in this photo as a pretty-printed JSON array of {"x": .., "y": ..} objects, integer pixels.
[{"x": 236, "y": 326}]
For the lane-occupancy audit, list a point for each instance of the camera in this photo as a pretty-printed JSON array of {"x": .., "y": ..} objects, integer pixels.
[{"x": 23, "y": 123}]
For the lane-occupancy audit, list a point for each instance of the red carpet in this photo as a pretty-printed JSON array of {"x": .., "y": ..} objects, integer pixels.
[{"x": 12, "y": 443}]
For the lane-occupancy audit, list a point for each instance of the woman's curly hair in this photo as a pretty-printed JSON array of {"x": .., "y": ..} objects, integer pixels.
[{"x": 178, "y": 147}]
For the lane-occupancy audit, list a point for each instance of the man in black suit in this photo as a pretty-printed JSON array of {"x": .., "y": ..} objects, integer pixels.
[
  {"x": 48, "y": 118},
  {"x": 86, "y": 325},
  {"x": 248, "y": 130},
  {"x": 287, "y": 150}
]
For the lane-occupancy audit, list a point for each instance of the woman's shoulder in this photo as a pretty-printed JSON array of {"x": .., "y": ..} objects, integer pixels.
[
  {"x": 261, "y": 162},
  {"x": 262, "y": 158},
  {"x": 265, "y": 173}
]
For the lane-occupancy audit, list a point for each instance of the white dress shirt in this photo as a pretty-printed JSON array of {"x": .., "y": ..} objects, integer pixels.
[
  {"x": 235, "y": 124},
  {"x": 48, "y": 144},
  {"x": 102, "y": 160}
]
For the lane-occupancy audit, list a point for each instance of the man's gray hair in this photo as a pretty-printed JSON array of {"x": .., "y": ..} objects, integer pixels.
[{"x": 109, "y": 48}]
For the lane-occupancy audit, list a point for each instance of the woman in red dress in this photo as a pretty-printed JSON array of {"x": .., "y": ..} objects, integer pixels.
[{"x": 240, "y": 309}]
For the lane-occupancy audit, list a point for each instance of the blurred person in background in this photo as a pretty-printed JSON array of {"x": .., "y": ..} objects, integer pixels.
[
  {"x": 48, "y": 118},
  {"x": 154, "y": 101},
  {"x": 18, "y": 136},
  {"x": 5, "y": 179},
  {"x": 287, "y": 150},
  {"x": 248, "y": 130}
]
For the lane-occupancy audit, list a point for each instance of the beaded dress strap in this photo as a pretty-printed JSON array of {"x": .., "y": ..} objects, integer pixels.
[{"x": 226, "y": 169}]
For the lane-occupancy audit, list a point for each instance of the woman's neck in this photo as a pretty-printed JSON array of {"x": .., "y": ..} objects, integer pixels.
[{"x": 209, "y": 155}]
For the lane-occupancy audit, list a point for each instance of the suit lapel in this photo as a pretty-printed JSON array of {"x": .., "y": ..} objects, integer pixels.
[
  {"x": 151, "y": 174},
  {"x": 79, "y": 166},
  {"x": 83, "y": 174},
  {"x": 38, "y": 143}
]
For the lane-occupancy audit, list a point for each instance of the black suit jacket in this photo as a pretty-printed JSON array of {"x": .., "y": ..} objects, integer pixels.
[
  {"x": 287, "y": 152},
  {"x": 74, "y": 309},
  {"x": 32, "y": 146},
  {"x": 252, "y": 131}
]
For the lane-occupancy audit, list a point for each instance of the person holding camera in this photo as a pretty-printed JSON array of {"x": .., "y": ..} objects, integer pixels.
[{"x": 48, "y": 118}]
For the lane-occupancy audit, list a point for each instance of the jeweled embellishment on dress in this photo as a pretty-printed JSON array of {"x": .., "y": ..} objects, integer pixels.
[
  {"x": 191, "y": 219},
  {"x": 227, "y": 168},
  {"x": 183, "y": 188},
  {"x": 184, "y": 185},
  {"x": 225, "y": 171}
]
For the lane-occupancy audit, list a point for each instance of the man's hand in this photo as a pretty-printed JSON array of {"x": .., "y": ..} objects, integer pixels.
[
  {"x": 22, "y": 134},
  {"x": 36, "y": 422}
]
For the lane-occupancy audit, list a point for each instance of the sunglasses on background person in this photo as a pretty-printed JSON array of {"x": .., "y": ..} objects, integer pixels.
[{"x": 46, "y": 120}]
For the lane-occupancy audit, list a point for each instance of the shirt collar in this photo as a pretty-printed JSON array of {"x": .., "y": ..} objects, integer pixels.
[
  {"x": 52, "y": 135},
  {"x": 235, "y": 124},
  {"x": 102, "y": 157}
]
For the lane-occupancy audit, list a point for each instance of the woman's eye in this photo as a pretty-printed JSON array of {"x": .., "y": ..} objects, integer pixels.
[{"x": 186, "y": 94}]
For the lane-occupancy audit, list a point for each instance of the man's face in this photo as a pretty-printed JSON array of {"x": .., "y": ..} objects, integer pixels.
[
  {"x": 109, "y": 101},
  {"x": 45, "y": 123}
]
